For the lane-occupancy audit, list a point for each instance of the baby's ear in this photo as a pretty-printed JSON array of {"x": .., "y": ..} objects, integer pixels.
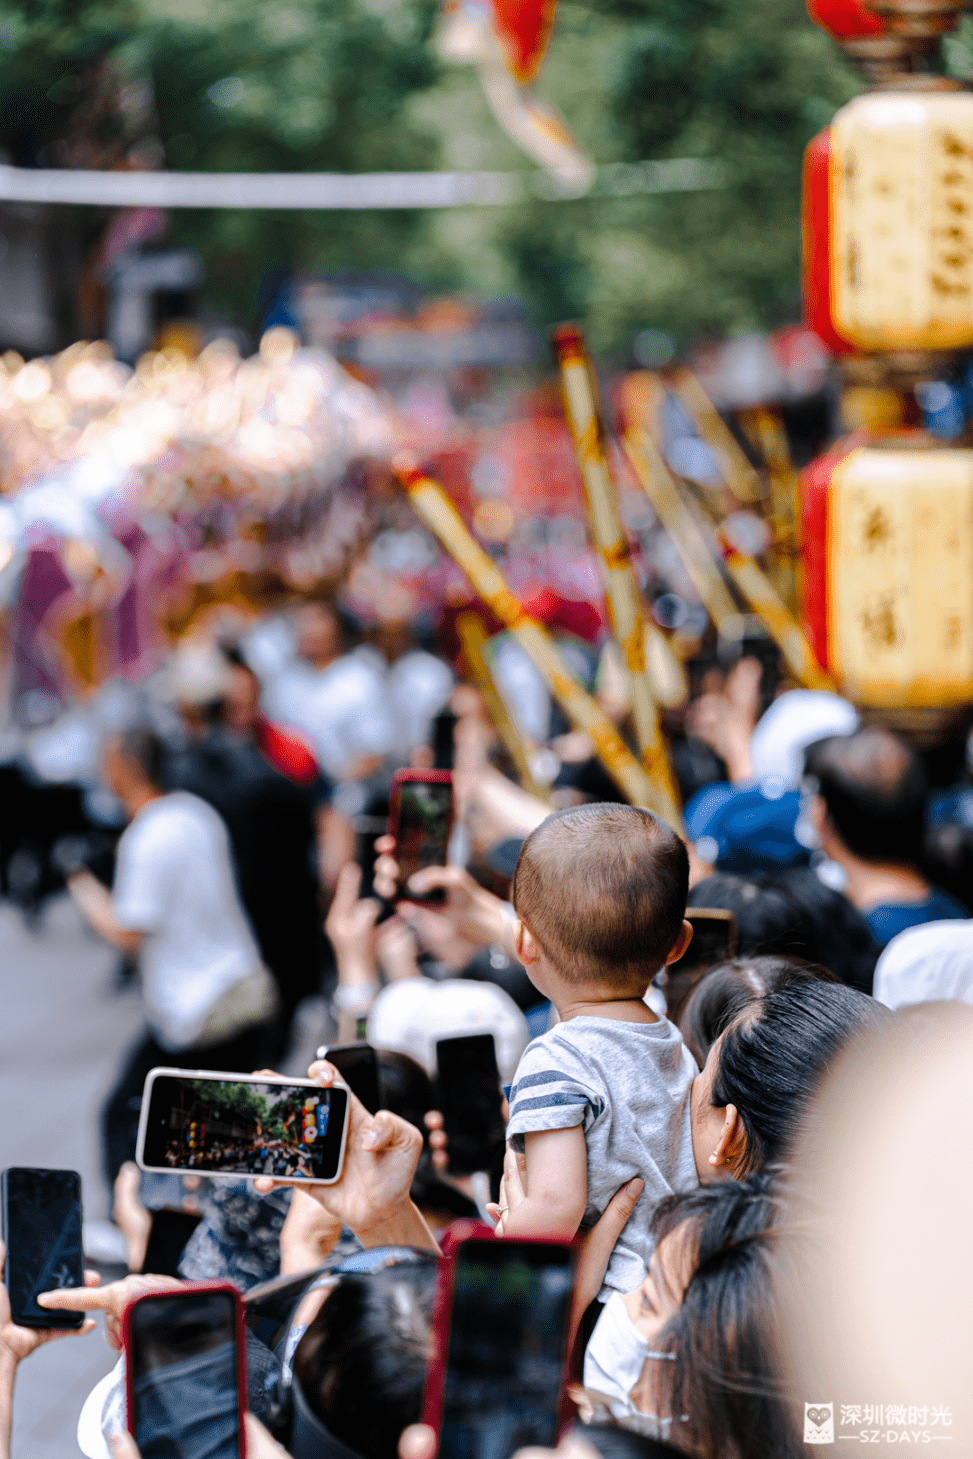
[
  {"x": 681, "y": 943},
  {"x": 528, "y": 951}
]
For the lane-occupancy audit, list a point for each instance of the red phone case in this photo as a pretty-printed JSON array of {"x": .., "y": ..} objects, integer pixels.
[
  {"x": 241, "y": 1346},
  {"x": 405, "y": 777},
  {"x": 450, "y": 1243}
]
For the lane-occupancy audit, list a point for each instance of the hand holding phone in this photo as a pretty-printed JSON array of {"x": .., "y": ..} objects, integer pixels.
[
  {"x": 185, "y": 1372},
  {"x": 41, "y": 1225}
]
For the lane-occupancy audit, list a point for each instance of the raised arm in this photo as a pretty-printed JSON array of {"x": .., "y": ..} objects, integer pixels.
[{"x": 557, "y": 1185}]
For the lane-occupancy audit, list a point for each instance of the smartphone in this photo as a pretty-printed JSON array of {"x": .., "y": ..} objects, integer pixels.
[
  {"x": 443, "y": 740},
  {"x": 205, "y": 1123},
  {"x": 41, "y": 1224},
  {"x": 471, "y": 1102},
  {"x": 168, "y": 1235},
  {"x": 714, "y": 936},
  {"x": 186, "y": 1373},
  {"x": 421, "y": 820},
  {"x": 358, "y": 1066},
  {"x": 500, "y": 1326}
]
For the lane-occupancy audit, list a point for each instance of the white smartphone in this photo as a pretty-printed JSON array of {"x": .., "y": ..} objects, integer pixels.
[{"x": 203, "y": 1122}]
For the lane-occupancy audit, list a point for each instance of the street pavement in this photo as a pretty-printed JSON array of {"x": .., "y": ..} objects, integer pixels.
[{"x": 63, "y": 1031}]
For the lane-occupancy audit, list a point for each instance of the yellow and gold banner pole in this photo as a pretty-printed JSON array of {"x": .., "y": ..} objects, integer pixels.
[
  {"x": 625, "y": 606},
  {"x": 766, "y": 429},
  {"x": 740, "y": 476},
  {"x": 680, "y": 524},
  {"x": 436, "y": 510},
  {"x": 473, "y": 637},
  {"x": 775, "y": 615}
]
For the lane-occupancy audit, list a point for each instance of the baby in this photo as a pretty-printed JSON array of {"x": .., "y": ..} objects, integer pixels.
[{"x": 600, "y": 893}]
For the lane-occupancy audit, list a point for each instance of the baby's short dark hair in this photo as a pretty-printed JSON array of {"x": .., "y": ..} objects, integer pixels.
[{"x": 603, "y": 890}]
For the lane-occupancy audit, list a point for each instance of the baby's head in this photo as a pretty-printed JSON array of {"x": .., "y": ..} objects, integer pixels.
[{"x": 602, "y": 891}]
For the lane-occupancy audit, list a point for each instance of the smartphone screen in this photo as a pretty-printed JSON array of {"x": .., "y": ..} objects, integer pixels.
[
  {"x": 421, "y": 819},
  {"x": 471, "y": 1102},
  {"x": 215, "y": 1125},
  {"x": 358, "y": 1066},
  {"x": 168, "y": 1235},
  {"x": 505, "y": 1347},
  {"x": 714, "y": 936},
  {"x": 184, "y": 1396},
  {"x": 42, "y": 1231}
]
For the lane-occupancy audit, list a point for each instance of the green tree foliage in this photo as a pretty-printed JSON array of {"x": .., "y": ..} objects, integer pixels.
[{"x": 355, "y": 85}]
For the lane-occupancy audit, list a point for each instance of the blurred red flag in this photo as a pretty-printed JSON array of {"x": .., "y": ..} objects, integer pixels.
[{"x": 524, "y": 28}]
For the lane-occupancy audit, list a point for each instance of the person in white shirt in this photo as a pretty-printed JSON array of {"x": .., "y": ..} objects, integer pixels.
[
  {"x": 208, "y": 999},
  {"x": 339, "y": 700}
]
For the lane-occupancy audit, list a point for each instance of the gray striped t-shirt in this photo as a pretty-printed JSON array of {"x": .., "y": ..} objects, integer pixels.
[{"x": 628, "y": 1085}]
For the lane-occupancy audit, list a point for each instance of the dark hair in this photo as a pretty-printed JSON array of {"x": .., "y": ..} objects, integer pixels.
[
  {"x": 147, "y": 751},
  {"x": 776, "y": 1052},
  {"x": 362, "y": 1362},
  {"x": 726, "y": 990},
  {"x": 874, "y": 787},
  {"x": 726, "y": 1378},
  {"x": 603, "y": 890},
  {"x": 769, "y": 920},
  {"x": 407, "y": 1090},
  {"x": 843, "y": 939}
]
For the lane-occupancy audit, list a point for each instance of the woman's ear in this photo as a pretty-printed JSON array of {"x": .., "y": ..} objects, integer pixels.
[
  {"x": 681, "y": 943},
  {"x": 731, "y": 1148}
]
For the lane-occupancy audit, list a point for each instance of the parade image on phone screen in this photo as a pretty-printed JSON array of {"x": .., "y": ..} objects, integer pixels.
[{"x": 220, "y": 1125}]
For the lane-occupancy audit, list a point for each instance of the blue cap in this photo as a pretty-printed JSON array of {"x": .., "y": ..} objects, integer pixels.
[{"x": 749, "y": 829}]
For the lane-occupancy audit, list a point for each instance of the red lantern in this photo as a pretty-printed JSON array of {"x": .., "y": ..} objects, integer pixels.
[
  {"x": 524, "y": 27},
  {"x": 846, "y": 19}
]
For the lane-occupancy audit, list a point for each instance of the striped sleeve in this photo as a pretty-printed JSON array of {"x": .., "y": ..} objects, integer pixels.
[{"x": 545, "y": 1096}]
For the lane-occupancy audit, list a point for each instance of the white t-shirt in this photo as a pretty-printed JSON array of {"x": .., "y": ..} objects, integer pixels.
[
  {"x": 343, "y": 709},
  {"x": 174, "y": 882}
]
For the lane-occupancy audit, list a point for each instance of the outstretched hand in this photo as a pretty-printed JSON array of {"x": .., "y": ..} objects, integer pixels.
[
  {"x": 371, "y": 1195},
  {"x": 112, "y": 1300},
  {"x": 20, "y": 1342}
]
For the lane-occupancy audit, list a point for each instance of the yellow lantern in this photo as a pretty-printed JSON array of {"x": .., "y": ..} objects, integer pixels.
[
  {"x": 888, "y": 572},
  {"x": 901, "y": 221}
]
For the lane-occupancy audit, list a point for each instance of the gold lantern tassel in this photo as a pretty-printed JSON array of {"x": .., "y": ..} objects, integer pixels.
[
  {"x": 680, "y": 524},
  {"x": 625, "y": 607},
  {"x": 740, "y": 476},
  {"x": 473, "y": 637},
  {"x": 436, "y": 510}
]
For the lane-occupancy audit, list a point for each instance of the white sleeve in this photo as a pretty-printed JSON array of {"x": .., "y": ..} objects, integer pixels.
[{"x": 142, "y": 878}]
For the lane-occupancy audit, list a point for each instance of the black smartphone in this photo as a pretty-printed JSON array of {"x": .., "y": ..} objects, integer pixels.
[
  {"x": 185, "y": 1371},
  {"x": 500, "y": 1324},
  {"x": 41, "y": 1222},
  {"x": 714, "y": 936},
  {"x": 443, "y": 740},
  {"x": 168, "y": 1235},
  {"x": 357, "y": 1064},
  {"x": 207, "y": 1123},
  {"x": 421, "y": 820},
  {"x": 471, "y": 1102}
]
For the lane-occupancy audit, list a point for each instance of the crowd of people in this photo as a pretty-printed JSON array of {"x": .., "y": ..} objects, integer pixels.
[{"x": 663, "y": 1104}]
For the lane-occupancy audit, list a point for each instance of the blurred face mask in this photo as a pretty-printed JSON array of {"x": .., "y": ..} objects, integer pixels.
[{"x": 613, "y": 1365}]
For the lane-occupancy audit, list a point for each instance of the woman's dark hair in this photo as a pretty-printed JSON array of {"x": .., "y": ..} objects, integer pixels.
[
  {"x": 362, "y": 1362},
  {"x": 842, "y": 936},
  {"x": 769, "y": 919},
  {"x": 776, "y": 1052},
  {"x": 729, "y": 988},
  {"x": 725, "y": 1378}
]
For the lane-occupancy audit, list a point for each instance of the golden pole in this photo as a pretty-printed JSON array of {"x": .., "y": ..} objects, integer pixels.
[
  {"x": 473, "y": 637},
  {"x": 436, "y": 510},
  {"x": 626, "y": 610},
  {"x": 740, "y": 476},
  {"x": 680, "y": 523},
  {"x": 766, "y": 428},
  {"x": 775, "y": 615}
]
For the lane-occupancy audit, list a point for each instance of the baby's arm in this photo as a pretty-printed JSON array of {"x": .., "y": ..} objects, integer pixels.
[{"x": 557, "y": 1184}]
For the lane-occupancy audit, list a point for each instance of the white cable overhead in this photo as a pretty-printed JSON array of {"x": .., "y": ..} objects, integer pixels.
[{"x": 327, "y": 191}]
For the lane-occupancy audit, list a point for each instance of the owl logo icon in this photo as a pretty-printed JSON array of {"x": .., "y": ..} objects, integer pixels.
[{"x": 819, "y": 1423}]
